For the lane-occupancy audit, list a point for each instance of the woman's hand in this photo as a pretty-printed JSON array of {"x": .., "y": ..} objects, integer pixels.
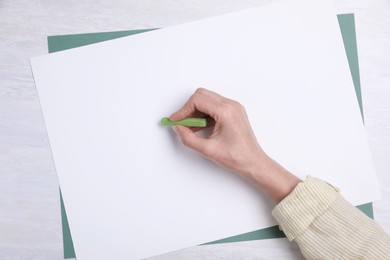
[{"x": 232, "y": 143}]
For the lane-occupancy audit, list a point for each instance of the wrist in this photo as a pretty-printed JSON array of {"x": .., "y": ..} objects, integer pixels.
[
  {"x": 270, "y": 177},
  {"x": 256, "y": 167}
]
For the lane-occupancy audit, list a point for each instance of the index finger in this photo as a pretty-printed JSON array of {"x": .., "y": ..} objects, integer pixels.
[{"x": 196, "y": 103}]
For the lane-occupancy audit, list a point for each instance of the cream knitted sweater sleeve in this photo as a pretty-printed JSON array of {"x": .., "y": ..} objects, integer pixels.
[{"x": 326, "y": 226}]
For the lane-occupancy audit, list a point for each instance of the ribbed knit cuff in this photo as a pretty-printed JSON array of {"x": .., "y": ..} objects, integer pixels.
[{"x": 309, "y": 200}]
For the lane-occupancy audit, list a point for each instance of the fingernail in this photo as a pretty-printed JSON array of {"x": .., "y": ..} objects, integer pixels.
[{"x": 174, "y": 128}]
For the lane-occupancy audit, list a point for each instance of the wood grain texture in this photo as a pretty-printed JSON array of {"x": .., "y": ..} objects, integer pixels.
[{"x": 30, "y": 224}]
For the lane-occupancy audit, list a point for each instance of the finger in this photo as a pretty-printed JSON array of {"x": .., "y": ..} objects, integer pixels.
[
  {"x": 214, "y": 95},
  {"x": 190, "y": 110},
  {"x": 209, "y": 93},
  {"x": 186, "y": 111},
  {"x": 191, "y": 139},
  {"x": 204, "y": 104}
]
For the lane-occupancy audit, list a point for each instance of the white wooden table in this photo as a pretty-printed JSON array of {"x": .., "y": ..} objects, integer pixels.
[{"x": 30, "y": 223}]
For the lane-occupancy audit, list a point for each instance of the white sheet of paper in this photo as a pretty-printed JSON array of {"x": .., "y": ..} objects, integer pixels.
[{"x": 131, "y": 190}]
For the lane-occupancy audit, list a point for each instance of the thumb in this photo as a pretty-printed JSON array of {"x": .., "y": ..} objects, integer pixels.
[{"x": 190, "y": 139}]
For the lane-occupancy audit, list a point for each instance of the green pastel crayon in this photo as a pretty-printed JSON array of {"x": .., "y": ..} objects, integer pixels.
[{"x": 192, "y": 122}]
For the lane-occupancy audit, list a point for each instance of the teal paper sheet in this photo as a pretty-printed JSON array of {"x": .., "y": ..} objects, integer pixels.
[{"x": 63, "y": 42}]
